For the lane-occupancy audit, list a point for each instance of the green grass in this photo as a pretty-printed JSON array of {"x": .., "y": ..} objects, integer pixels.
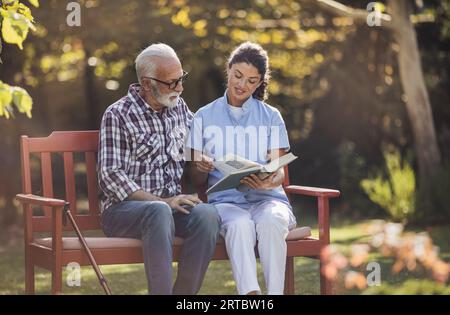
[{"x": 130, "y": 279}]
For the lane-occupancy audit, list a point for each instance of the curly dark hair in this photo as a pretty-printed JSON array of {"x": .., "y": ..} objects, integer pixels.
[{"x": 255, "y": 55}]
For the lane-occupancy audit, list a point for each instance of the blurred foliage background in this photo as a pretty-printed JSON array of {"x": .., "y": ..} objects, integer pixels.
[{"x": 337, "y": 83}]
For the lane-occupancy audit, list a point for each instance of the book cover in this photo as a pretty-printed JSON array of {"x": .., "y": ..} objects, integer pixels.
[{"x": 234, "y": 168}]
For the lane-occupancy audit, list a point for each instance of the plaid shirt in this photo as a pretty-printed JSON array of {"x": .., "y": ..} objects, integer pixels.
[{"x": 140, "y": 148}]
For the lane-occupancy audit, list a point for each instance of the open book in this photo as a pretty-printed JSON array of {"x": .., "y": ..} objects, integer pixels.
[{"x": 234, "y": 168}]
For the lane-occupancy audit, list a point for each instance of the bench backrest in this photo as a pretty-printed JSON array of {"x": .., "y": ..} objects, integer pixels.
[{"x": 66, "y": 144}]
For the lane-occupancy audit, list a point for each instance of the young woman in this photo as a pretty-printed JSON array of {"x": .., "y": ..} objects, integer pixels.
[{"x": 242, "y": 124}]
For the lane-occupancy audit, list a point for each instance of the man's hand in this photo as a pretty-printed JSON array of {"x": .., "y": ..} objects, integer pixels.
[
  {"x": 176, "y": 202},
  {"x": 204, "y": 163},
  {"x": 254, "y": 182}
]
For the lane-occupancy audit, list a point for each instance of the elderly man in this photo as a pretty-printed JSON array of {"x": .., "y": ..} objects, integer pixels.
[{"x": 140, "y": 164}]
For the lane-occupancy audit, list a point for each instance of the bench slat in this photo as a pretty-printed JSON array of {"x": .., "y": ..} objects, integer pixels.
[
  {"x": 26, "y": 186},
  {"x": 70, "y": 181},
  {"x": 87, "y": 222},
  {"x": 47, "y": 179},
  {"x": 65, "y": 141}
]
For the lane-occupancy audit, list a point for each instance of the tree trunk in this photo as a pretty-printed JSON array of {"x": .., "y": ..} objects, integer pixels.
[{"x": 417, "y": 101}]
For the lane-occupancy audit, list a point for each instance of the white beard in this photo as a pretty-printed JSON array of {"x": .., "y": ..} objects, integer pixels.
[{"x": 164, "y": 99}]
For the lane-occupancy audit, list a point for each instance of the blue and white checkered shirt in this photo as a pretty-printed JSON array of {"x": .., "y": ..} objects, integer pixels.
[{"x": 140, "y": 148}]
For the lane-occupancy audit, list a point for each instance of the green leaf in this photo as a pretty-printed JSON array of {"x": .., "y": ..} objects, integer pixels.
[
  {"x": 22, "y": 100},
  {"x": 5, "y": 99},
  {"x": 26, "y": 12},
  {"x": 35, "y": 3},
  {"x": 5, "y": 95},
  {"x": 8, "y": 4},
  {"x": 15, "y": 26},
  {"x": 13, "y": 95}
]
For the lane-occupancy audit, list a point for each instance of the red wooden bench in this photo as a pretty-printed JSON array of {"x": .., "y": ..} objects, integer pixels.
[{"x": 56, "y": 251}]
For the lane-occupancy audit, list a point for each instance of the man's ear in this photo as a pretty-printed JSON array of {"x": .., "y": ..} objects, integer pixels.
[{"x": 145, "y": 83}]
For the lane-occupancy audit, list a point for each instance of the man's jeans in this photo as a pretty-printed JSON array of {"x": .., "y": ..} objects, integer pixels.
[{"x": 155, "y": 224}]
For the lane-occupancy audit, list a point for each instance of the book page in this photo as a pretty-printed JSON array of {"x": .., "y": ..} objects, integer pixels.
[
  {"x": 233, "y": 163},
  {"x": 276, "y": 164}
]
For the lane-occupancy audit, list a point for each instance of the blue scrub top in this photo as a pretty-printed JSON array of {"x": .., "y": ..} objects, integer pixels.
[{"x": 216, "y": 132}]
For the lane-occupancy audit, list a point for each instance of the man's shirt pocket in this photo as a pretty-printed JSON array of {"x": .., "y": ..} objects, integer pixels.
[{"x": 147, "y": 148}]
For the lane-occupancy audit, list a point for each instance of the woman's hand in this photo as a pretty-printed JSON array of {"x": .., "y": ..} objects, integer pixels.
[
  {"x": 254, "y": 182},
  {"x": 204, "y": 164}
]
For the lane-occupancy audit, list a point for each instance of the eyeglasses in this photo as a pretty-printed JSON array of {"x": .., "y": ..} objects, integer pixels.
[{"x": 172, "y": 85}]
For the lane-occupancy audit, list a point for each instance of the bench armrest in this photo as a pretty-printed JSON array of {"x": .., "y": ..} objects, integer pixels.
[
  {"x": 323, "y": 195},
  {"x": 40, "y": 201},
  {"x": 57, "y": 206},
  {"x": 312, "y": 191}
]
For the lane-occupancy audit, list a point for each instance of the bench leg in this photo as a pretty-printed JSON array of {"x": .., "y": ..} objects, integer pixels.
[
  {"x": 29, "y": 277},
  {"x": 289, "y": 288},
  {"x": 57, "y": 280},
  {"x": 325, "y": 284}
]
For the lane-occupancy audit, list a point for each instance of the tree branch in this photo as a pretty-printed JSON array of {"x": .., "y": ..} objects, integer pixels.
[
  {"x": 338, "y": 9},
  {"x": 358, "y": 15}
]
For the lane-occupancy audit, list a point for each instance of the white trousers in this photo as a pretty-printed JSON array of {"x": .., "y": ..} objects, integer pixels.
[{"x": 268, "y": 222}]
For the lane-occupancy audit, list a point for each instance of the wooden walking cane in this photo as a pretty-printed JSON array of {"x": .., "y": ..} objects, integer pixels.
[{"x": 100, "y": 276}]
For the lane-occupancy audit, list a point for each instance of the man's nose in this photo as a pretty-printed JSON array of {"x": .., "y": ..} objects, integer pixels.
[{"x": 179, "y": 88}]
